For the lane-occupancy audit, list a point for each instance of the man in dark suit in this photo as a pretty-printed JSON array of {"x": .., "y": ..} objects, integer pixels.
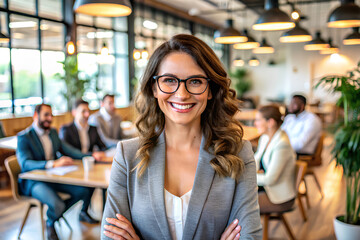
[
  {"x": 39, "y": 147},
  {"x": 79, "y": 134}
]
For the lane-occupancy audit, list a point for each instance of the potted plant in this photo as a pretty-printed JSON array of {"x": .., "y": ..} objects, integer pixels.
[
  {"x": 75, "y": 85},
  {"x": 242, "y": 84},
  {"x": 346, "y": 149}
]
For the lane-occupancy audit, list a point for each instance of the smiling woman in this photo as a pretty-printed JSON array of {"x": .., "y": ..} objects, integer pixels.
[{"x": 186, "y": 176}]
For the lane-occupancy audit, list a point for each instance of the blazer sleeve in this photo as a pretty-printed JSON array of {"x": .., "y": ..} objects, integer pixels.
[
  {"x": 245, "y": 206},
  {"x": 25, "y": 156},
  {"x": 117, "y": 194},
  {"x": 64, "y": 134},
  {"x": 99, "y": 142}
]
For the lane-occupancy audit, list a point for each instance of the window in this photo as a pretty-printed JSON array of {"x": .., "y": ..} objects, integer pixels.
[
  {"x": 52, "y": 36},
  {"x": 24, "y": 32},
  {"x": 50, "y": 9},
  {"x": 27, "y": 6},
  {"x": 5, "y": 87}
]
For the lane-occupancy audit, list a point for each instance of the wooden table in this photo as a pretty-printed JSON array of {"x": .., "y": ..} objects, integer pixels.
[
  {"x": 98, "y": 177},
  {"x": 245, "y": 115},
  {"x": 9, "y": 142}
]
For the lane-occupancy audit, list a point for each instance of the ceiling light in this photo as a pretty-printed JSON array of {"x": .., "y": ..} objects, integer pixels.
[
  {"x": 316, "y": 44},
  {"x": 264, "y": 48},
  {"x": 150, "y": 25},
  {"x": 25, "y": 24},
  {"x": 4, "y": 38},
  {"x": 136, "y": 54},
  {"x": 295, "y": 15},
  {"x": 345, "y": 16},
  {"x": 92, "y": 35},
  {"x": 332, "y": 49},
  {"x": 273, "y": 18},
  {"x": 353, "y": 38},
  {"x": 297, "y": 34},
  {"x": 238, "y": 62},
  {"x": 104, "y": 50},
  {"x": 229, "y": 35},
  {"x": 103, "y": 8},
  {"x": 70, "y": 48},
  {"x": 249, "y": 44},
  {"x": 253, "y": 62}
]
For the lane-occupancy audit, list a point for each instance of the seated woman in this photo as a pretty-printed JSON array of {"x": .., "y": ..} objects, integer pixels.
[
  {"x": 275, "y": 162},
  {"x": 189, "y": 174}
]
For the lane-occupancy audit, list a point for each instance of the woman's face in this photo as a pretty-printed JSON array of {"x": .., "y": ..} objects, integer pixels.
[
  {"x": 261, "y": 123},
  {"x": 181, "y": 107}
]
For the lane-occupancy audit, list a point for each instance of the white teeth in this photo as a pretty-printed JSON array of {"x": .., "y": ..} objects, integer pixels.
[{"x": 178, "y": 106}]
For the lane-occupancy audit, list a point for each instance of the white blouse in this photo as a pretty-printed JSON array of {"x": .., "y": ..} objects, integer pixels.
[{"x": 176, "y": 209}]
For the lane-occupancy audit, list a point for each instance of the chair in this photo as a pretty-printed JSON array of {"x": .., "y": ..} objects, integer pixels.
[
  {"x": 313, "y": 160},
  {"x": 279, "y": 215},
  {"x": 13, "y": 169}
]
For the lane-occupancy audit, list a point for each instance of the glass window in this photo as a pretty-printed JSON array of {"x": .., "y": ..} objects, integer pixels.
[
  {"x": 121, "y": 43},
  {"x": 51, "y": 9},
  {"x": 3, "y": 25},
  {"x": 104, "y": 37},
  {"x": 53, "y": 87},
  {"x": 5, "y": 87},
  {"x": 27, "y": 6},
  {"x": 122, "y": 82},
  {"x": 120, "y": 24},
  {"x": 86, "y": 39},
  {"x": 2, "y": 3},
  {"x": 52, "y": 35},
  {"x": 88, "y": 67},
  {"x": 24, "y": 31},
  {"x": 104, "y": 22},
  {"x": 84, "y": 19},
  {"x": 27, "y": 85}
]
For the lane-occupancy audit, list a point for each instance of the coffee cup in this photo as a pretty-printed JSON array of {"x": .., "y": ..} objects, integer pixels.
[{"x": 88, "y": 163}]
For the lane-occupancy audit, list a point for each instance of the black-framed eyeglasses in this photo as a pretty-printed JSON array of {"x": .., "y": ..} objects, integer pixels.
[{"x": 170, "y": 84}]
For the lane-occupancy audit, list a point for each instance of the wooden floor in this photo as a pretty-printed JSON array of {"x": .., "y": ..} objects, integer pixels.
[{"x": 318, "y": 226}]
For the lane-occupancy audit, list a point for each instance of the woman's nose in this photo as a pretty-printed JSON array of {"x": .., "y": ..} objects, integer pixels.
[{"x": 182, "y": 92}]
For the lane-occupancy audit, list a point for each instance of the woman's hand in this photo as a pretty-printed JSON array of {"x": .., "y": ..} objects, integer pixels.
[
  {"x": 232, "y": 232},
  {"x": 123, "y": 229}
]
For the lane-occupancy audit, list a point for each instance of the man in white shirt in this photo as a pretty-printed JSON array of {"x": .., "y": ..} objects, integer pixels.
[
  {"x": 39, "y": 147},
  {"x": 302, "y": 127},
  {"x": 107, "y": 122}
]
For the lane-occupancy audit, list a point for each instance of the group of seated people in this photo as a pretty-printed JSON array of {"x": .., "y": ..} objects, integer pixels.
[
  {"x": 40, "y": 147},
  {"x": 277, "y": 150}
]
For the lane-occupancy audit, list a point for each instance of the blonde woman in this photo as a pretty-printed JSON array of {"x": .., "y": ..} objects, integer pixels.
[{"x": 189, "y": 175}]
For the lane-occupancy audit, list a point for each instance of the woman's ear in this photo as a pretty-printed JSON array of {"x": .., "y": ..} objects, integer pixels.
[
  {"x": 154, "y": 89},
  {"x": 272, "y": 123},
  {"x": 209, "y": 95}
]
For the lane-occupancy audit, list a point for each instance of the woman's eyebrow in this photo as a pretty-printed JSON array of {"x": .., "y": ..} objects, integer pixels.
[{"x": 191, "y": 76}]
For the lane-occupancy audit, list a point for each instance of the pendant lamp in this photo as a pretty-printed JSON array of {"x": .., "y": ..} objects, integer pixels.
[
  {"x": 353, "y": 38},
  {"x": 264, "y": 48},
  {"x": 4, "y": 38},
  {"x": 103, "y": 8},
  {"x": 253, "y": 62},
  {"x": 345, "y": 16},
  {"x": 249, "y": 44},
  {"x": 238, "y": 62},
  {"x": 273, "y": 18},
  {"x": 316, "y": 44},
  {"x": 332, "y": 49},
  {"x": 229, "y": 34},
  {"x": 295, "y": 35}
]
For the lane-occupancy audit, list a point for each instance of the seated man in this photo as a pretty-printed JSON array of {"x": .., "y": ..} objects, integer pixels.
[
  {"x": 107, "y": 122},
  {"x": 302, "y": 127},
  {"x": 39, "y": 147}
]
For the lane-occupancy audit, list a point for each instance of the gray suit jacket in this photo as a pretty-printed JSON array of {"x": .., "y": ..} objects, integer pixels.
[
  {"x": 215, "y": 201},
  {"x": 110, "y": 132}
]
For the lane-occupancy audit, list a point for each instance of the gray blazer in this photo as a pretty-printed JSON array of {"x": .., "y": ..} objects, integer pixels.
[
  {"x": 215, "y": 201},
  {"x": 110, "y": 132}
]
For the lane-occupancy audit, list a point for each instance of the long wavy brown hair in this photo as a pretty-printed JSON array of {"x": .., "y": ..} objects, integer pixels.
[{"x": 222, "y": 132}]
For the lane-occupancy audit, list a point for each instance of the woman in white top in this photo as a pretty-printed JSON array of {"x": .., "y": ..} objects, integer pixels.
[
  {"x": 189, "y": 175},
  {"x": 275, "y": 161}
]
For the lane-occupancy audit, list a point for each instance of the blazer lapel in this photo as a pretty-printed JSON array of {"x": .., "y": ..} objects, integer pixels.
[
  {"x": 76, "y": 136},
  {"x": 202, "y": 184},
  {"x": 156, "y": 170},
  {"x": 37, "y": 143},
  {"x": 273, "y": 142}
]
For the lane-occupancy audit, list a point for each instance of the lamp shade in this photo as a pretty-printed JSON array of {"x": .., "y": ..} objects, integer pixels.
[
  {"x": 229, "y": 34},
  {"x": 253, "y": 62},
  {"x": 297, "y": 34},
  {"x": 273, "y": 18},
  {"x": 316, "y": 44},
  {"x": 345, "y": 16},
  {"x": 264, "y": 48},
  {"x": 332, "y": 49},
  {"x": 353, "y": 38},
  {"x": 249, "y": 44},
  {"x": 103, "y": 8},
  {"x": 238, "y": 62},
  {"x": 4, "y": 38}
]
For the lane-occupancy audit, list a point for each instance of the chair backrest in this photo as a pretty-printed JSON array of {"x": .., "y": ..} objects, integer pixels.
[
  {"x": 300, "y": 170},
  {"x": 13, "y": 169},
  {"x": 319, "y": 148}
]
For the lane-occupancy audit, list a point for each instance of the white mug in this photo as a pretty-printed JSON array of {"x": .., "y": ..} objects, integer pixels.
[{"x": 88, "y": 163}]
